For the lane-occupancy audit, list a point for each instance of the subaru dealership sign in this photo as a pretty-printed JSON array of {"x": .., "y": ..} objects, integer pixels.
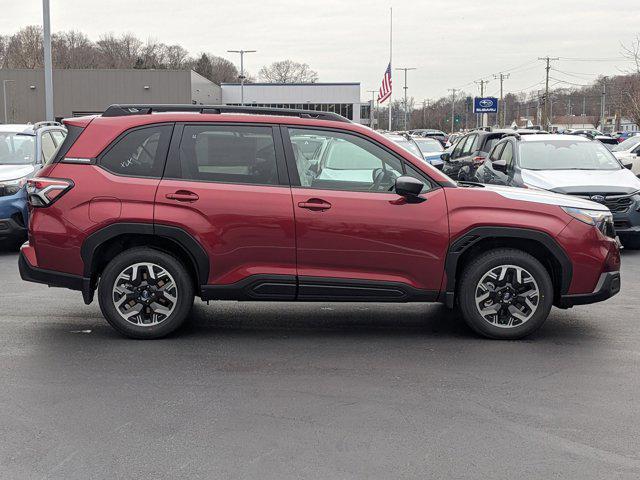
[{"x": 485, "y": 105}]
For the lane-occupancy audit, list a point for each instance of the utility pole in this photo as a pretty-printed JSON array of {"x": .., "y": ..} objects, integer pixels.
[
  {"x": 405, "y": 69},
  {"x": 502, "y": 77},
  {"x": 546, "y": 119},
  {"x": 373, "y": 102},
  {"x": 453, "y": 104},
  {"x": 241, "y": 52},
  {"x": 48, "y": 68},
  {"x": 603, "y": 101},
  {"x": 424, "y": 113},
  {"x": 482, "y": 83},
  {"x": 584, "y": 106}
]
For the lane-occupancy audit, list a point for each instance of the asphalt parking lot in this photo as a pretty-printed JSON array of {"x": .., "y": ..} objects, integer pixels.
[{"x": 326, "y": 391}]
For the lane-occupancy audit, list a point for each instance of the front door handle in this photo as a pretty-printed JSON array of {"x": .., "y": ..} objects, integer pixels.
[
  {"x": 315, "y": 204},
  {"x": 183, "y": 196}
]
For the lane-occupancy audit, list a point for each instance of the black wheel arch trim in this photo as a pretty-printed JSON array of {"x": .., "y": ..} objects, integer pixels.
[
  {"x": 196, "y": 252},
  {"x": 475, "y": 235}
]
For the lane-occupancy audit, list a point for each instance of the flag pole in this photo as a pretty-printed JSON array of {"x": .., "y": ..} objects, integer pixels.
[{"x": 390, "y": 58}]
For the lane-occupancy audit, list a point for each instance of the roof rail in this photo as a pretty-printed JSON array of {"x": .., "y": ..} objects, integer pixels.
[
  {"x": 511, "y": 134},
  {"x": 38, "y": 125},
  {"x": 126, "y": 110}
]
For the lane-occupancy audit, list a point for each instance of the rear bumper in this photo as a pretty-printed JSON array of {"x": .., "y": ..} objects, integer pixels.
[
  {"x": 608, "y": 285},
  {"x": 30, "y": 273}
]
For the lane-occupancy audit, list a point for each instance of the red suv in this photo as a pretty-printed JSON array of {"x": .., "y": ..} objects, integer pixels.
[{"x": 153, "y": 205}]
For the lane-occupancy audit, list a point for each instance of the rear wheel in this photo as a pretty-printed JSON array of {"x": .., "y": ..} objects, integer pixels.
[
  {"x": 505, "y": 294},
  {"x": 144, "y": 293}
]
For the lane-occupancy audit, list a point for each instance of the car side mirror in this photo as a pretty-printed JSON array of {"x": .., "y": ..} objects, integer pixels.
[
  {"x": 408, "y": 186},
  {"x": 445, "y": 157},
  {"x": 499, "y": 165},
  {"x": 627, "y": 165}
]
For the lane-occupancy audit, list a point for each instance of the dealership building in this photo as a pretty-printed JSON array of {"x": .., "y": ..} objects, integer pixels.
[
  {"x": 81, "y": 92},
  {"x": 341, "y": 98}
]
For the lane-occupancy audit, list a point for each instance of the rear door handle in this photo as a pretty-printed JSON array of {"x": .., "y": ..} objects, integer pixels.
[
  {"x": 316, "y": 204},
  {"x": 183, "y": 196}
]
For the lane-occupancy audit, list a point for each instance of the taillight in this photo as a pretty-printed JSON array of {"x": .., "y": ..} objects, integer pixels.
[
  {"x": 42, "y": 192},
  {"x": 478, "y": 160}
]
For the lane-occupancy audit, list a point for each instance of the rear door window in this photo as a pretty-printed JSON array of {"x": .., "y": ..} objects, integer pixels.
[
  {"x": 457, "y": 151},
  {"x": 469, "y": 145},
  {"x": 229, "y": 154},
  {"x": 138, "y": 153}
]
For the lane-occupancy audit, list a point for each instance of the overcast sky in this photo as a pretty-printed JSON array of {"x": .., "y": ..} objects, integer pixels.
[{"x": 450, "y": 42}]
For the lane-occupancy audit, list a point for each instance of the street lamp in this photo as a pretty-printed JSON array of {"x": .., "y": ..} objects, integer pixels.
[
  {"x": 405, "y": 69},
  {"x": 241, "y": 52},
  {"x": 373, "y": 100}
]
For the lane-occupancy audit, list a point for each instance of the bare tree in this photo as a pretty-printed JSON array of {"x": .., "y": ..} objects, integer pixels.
[
  {"x": 176, "y": 57},
  {"x": 632, "y": 52},
  {"x": 73, "y": 49},
  {"x": 288, "y": 71},
  {"x": 223, "y": 70},
  {"x": 24, "y": 49},
  {"x": 119, "y": 52},
  {"x": 4, "y": 47}
]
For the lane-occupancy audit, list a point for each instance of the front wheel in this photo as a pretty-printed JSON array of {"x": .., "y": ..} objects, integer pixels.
[
  {"x": 145, "y": 293},
  {"x": 505, "y": 294}
]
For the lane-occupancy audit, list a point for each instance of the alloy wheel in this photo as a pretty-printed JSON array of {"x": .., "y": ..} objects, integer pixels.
[
  {"x": 507, "y": 296},
  {"x": 145, "y": 294}
]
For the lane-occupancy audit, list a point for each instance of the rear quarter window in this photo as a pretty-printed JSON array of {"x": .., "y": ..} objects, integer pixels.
[{"x": 138, "y": 153}]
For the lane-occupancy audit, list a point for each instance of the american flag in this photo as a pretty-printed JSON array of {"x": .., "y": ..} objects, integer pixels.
[{"x": 385, "y": 89}]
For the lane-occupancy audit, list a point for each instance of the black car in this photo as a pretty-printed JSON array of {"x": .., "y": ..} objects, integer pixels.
[
  {"x": 462, "y": 161},
  {"x": 468, "y": 153}
]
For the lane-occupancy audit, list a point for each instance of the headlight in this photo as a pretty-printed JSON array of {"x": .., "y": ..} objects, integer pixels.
[
  {"x": 11, "y": 187},
  {"x": 603, "y": 221}
]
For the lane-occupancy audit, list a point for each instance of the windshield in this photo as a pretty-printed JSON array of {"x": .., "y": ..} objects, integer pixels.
[
  {"x": 628, "y": 144},
  {"x": 17, "y": 148},
  {"x": 429, "y": 145},
  {"x": 566, "y": 155},
  {"x": 410, "y": 146}
]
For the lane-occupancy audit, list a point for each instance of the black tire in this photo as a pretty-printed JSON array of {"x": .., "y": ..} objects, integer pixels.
[
  {"x": 477, "y": 268},
  {"x": 184, "y": 297}
]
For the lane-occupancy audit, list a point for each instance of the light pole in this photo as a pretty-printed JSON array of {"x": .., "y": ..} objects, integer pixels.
[
  {"x": 48, "y": 68},
  {"x": 453, "y": 106},
  {"x": 373, "y": 102},
  {"x": 405, "y": 69},
  {"x": 241, "y": 52},
  {"x": 4, "y": 98}
]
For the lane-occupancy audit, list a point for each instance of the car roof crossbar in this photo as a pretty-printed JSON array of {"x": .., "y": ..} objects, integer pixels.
[{"x": 136, "y": 109}]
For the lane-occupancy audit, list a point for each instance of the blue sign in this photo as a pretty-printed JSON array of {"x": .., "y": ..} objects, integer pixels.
[{"x": 485, "y": 105}]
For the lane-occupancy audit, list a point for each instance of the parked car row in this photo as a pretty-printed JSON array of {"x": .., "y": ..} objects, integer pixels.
[
  {"x": 576, "y": 165},
  {"x": 24, "y": 149},
  {"x": 426, "y": 148}
]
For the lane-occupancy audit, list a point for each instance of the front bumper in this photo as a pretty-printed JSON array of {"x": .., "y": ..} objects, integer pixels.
[
  {"x": 608, "y": 285},
  {"x": 30, "y": 273},
  {"x": 10, "y": 228},
  {"x": 13, "y": 216}
]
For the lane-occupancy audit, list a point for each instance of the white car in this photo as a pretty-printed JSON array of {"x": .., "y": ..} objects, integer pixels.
[{"x": 629, "y": 152}]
